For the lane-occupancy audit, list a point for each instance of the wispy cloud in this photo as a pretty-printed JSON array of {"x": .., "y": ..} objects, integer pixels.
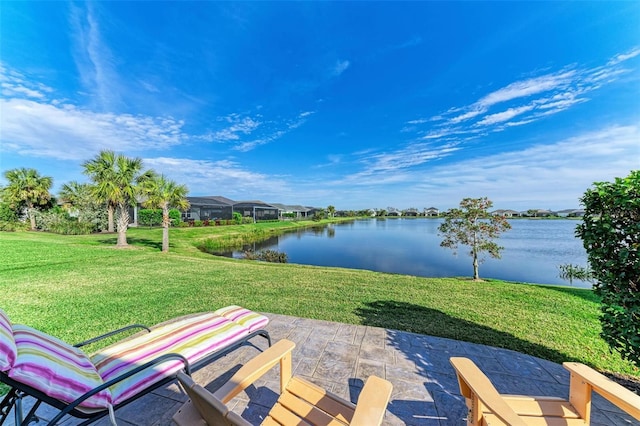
[
  {"x": 204, "y": 176},
  {"x": 237, "y": 125},
  {"x": 624, "y": 56},
  {"x": 278, "y": 130},
  {"x": 34, "y": 122},
  {"x": 550, "y": 175},
  {"x": 528, "y": 100},
  {"x": 377, "y": 165},
  {"x": 94, "y": 60},
  {"x": 340, "y": 67}
]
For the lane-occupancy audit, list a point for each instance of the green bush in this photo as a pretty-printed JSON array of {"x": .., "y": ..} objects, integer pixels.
[
  {"x": 150, "y": 217},
  {"x": 610, "y": 233},
  {"x": 7, "y": 214},
  {"x": 175, "y": 217},
  {"x": 197, "y": 223},
  {"x": 237, "y": 218},
  {"x": 58, "y": 221}
]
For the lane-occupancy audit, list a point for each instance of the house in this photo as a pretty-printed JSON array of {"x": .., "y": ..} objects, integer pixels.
[
  {"x": 258, "y": 210},
  {"x": 505, "y": 213},
  {"x": 209, "y": 208},
  {"x": 393, "y": 212},
  {"x": 570, "y": 213},
  {"x": 431, "y": 212},
  {"x": 411, "y": 212},
  {"x": 293, "y": 211}
]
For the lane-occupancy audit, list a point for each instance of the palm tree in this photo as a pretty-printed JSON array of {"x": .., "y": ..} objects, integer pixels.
[
  {"x": 165, "y": 194},
  {"x": 74, "y": 195},
  {"x": 331, "y": 210},
  {"x": 116, "y": 180},
  {"x": 101, "y": 170},
  {"x": 28, "y": 187}
]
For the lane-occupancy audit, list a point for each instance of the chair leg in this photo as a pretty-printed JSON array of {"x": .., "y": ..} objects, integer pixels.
[
  {"x": 31, "y": 416},
  {"x": 8, "y": 402}
]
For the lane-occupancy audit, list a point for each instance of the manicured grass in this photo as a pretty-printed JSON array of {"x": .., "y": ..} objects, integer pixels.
[{"x": 76, "y": 287}]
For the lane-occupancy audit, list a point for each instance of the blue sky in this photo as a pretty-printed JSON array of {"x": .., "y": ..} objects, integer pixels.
[{"x": 353, "y": 104}]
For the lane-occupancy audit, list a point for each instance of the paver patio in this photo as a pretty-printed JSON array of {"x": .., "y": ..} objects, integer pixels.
[{"x": 339, "y": 357}]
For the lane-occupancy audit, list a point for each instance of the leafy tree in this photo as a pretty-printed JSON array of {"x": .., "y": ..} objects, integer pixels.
[
  {"x": 27, "y": 187},
  {"x": 472, "y": 225},
  {"x": 164, "y": 193},
  {"x": 79, "y": 200},
  {"x": 331, "y": 210},
  {"x": 610, "y": 233},
  {"x": 116, "y": 181},
  {"x": 101, "y": 170}
]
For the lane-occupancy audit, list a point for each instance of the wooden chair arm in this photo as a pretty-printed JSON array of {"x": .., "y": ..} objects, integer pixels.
[
  {"x": 372, "y": 402},
  {"x": 617, "y": 394},
  {"x": 280, "y": 352},
  {"x": 476, "y": 386}
]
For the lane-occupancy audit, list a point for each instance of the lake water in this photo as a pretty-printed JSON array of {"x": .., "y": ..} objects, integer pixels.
[{"x": 533, "y": 249}]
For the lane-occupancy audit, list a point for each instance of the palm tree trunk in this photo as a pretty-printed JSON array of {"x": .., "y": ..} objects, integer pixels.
[
  {"x": 110, "y": 210},
  {"x": 123, "y": 225},
  {"x": 165, "y": 228},
  {"x": 32, "y": 216}
]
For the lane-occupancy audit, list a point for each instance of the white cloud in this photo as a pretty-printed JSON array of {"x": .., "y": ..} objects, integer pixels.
[
  {"x": 504, "y": 116},
  {"x": 549, "y": 176},
  {"x": 224, "y": 177},
  {"x": 67, "y": 132},
  {"x": 94, "y": 60},
  {"x": 624, "y": 56},
  {"x": 529, "y": 99},
  {"x": 340, "y": 67}
]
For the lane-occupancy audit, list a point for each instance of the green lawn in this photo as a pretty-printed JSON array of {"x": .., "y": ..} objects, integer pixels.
[{"x": 76, "y": 287}]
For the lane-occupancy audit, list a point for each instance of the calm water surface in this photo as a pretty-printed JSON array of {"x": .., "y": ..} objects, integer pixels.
[{"x": 533, "y": 249}]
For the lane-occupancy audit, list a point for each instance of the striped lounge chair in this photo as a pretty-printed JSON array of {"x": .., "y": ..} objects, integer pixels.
[{"x": 93, "y": 386}]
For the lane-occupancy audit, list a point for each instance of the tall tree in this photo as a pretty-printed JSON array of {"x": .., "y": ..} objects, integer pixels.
[
  {"x": 331, "y": 210},
  {"x": 28, "y": 187},
  {"x": 116, "y": 181},
  {"x": 101, "y": 170},
  {"x": 164, "y": 194},
  {"x": 472, "y": 225}
]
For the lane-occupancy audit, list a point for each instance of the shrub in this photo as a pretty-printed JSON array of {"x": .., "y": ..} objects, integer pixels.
[
  {"x": 272, "y": 256},
  {"x": 197, "y": 223},
  {"x": 205, "y": 222},
  {"x": 237, "y": 218},
  {"x": 58, "y": 221},
  {"x": 175, "y": 217},
  {"x": 247, "y": 220},
  {"x": 7, "y": 214},
  {"x": 183, "y": 224},
  {"x": 610, "y": 233},
  {"x": 150, "y": 217}
]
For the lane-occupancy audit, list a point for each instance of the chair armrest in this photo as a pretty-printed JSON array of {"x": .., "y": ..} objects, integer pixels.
[
  {"x": 256, "y": 368},
  {"x": 615, "y": 393},
  {"x": 111, "y": 333},
  {"x": 476, "y": 386},
  {"x": 372, "y": 402}
]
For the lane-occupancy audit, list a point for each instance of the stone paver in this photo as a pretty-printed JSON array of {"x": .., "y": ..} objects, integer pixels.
[{"x": 340, "y": 357}]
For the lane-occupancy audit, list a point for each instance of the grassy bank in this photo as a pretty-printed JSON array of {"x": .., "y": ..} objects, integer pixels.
[{"x": 76, "y": 287}]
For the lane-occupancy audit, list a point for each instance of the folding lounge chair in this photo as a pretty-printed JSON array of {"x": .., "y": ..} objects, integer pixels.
[
  {"x": 93, "y": 386},
  {"x": 300, "y": 402},
  {"x": 488, "y": 407}
]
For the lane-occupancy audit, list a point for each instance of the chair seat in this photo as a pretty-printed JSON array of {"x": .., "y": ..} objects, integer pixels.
[
  {"x": 303, "y": 401},
  {"x": 300, "y": 402}
]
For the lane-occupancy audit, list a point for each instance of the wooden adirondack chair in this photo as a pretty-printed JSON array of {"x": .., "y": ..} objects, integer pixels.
[
  {"x": 488, "y": 407},
  {"x": 300, "y": 402}
]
